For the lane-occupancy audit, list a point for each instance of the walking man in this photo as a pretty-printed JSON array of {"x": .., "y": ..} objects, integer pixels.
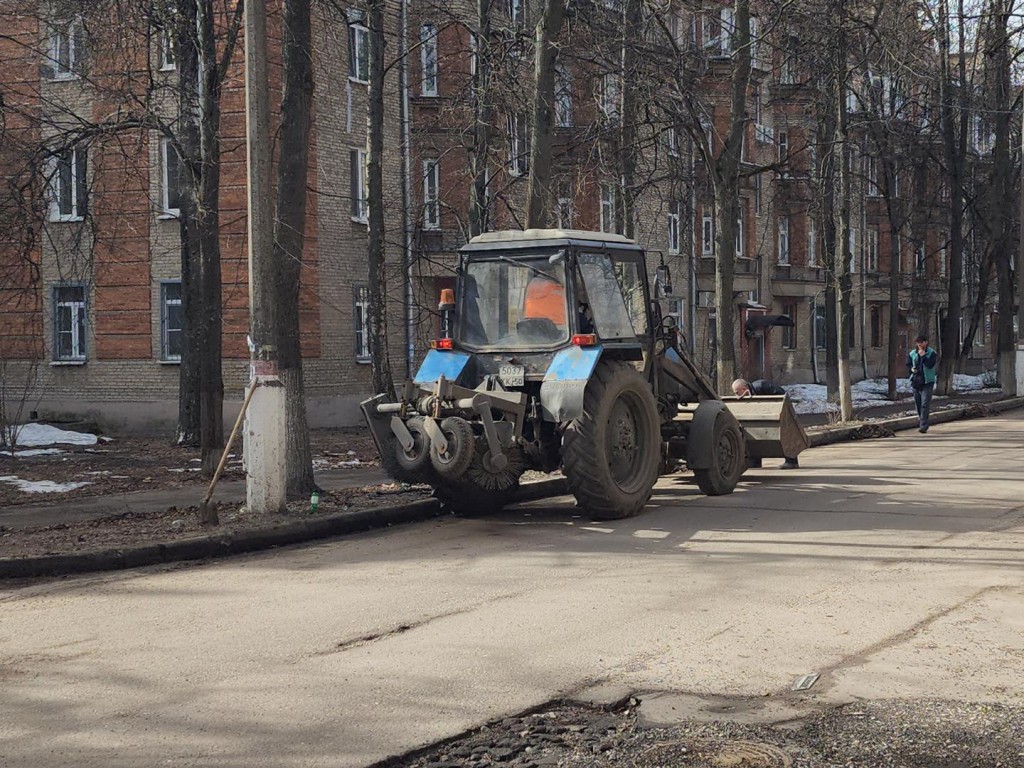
[
  {"x": 921, "y": 369},
  {"x": 744, "y": 388}
]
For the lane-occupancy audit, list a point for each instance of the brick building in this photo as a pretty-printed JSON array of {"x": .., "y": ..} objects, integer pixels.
[{"x": 90, "y": 289}]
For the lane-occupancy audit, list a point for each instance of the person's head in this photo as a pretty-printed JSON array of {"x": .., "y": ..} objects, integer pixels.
[
  {"x": 741, "y": 388},
  {"x": 922, "y": 342}
]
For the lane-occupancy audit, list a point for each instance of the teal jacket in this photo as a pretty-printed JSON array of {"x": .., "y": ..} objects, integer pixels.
[{"x": 928, "y": 364}]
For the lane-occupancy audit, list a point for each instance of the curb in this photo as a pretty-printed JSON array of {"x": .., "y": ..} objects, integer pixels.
[
  {"x": 223, "y": 545},
  {"x": 873, "y": 429}
]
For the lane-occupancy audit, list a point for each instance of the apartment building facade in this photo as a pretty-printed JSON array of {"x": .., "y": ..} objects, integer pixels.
[{"x": 93, "y": 293}]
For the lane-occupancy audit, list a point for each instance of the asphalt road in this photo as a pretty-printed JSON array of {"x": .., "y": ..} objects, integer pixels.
[{"x": 892, "y": 568}]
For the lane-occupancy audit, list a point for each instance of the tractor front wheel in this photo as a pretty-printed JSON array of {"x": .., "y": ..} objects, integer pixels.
[{"x": 611, "y": 453}]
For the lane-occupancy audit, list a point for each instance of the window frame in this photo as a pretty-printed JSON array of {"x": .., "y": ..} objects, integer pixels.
[
  {"x": 429, "y": 67},
  {"x": 361, "y": 322},
  {"x": 871, "y": 251},
  {"x": 784, "y": 243},
  {"x": 79, "y": 329},
  {"x": 166, "y": 152},
  {"x": 358, "y": 52},
  {"x": 359, "y": 194},
  {"x": 565, "y": 211},
  {"x": 812, "y": 243},
  {"x": 167, "y": 56},
  {"x": 74, "y": 32},
  {"x": 518, "y": 144},
  {"x": 165, "y": 302},
  {"x": 789, "y": 335},
  {"x": 563, "y": 97},
  {"x": 432, "y": 197},
  {"x": 607, "y": 208},
  {"x": 707, "y": 236},
  {"x": 77, "y": 163},
  {"x": 672, "y": 233}
]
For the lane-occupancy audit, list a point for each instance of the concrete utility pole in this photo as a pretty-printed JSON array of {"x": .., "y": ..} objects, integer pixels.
[
  {"x": 1019, "y": 270},
  {"x": 265, "y": 423}
]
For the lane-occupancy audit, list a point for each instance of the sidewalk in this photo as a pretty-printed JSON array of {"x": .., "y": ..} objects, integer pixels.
[{"x": 230, "y": 491}]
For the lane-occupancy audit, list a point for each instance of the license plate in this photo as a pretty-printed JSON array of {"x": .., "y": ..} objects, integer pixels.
[{"x": 512, "y": 375}]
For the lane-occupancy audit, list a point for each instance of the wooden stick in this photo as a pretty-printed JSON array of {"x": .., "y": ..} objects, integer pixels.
[{"x": 203, "y": 507}]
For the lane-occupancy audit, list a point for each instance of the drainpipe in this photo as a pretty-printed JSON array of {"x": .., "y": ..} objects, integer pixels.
[
  {"x": 407, "y": 260},
  {"x": 693, "y": 257}
]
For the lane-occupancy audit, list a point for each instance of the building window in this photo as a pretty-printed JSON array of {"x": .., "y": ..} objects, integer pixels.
[
  {"x": 852, "y": 241},
  {"x": 565, "y": 208},
  {"x": 677, "y": 309},
  {"x": 739, "y": 240},
  {"x": 171, "y": 338},
  {"x": 517, "y": 12},
  {"x": 707, "y": 236},
  {"x": 66, "y": 49},
  {"x": 69, "y": 191},
  {"x": 757, "y": 193},
  {"x": 563, "y": 97},
  {"x": 431, "y": 194},
  {"x": 673, "y": 227},
  {"x": 170, "y": 178},
  {"x": 69, "y": 322},
  {"x": 358, "y": 185},
  {"x": 942, "y": 263},
  {"x": 783, "y": 146},
  {"x": 819, "y": 326},
  {"x": 518, "y": 144},
  {"x": 812, "y": 243},
  {"x": 871, "y": 175},
  {"x": 607, "y": 208},
  {"x": 168, "y": 56},
  {"x": 358, "y": 53},
  {"x": 608, "y": 95},
  {"x": 784, "y": 241},
  {"x": 876, "y": 326},
  {"x": 361, "y": 321},
  {"x": 919, "y": 259},
  {"x": 789, "y": 309},
  {"x": 428, "y": 59},
  {"x": 871, "y": 250},
  {"x": 672, "y": 141}
]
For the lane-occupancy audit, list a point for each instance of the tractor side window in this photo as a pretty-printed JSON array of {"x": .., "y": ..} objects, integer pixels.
[{"x": 616, "y": 296}]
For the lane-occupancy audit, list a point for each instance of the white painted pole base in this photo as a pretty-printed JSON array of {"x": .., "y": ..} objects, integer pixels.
[
  {"x": 1020, "y": 370},
  {"x": 265, "y": 460}
]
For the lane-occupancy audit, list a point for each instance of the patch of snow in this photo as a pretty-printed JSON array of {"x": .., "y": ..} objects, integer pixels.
[
  {"x": 34, "y": 452},
  {"x": 38, "y": 435},
  {"x": 186, "y": 469},
  {"x": 40, "y": 486},
  {"x": 965, "y": 383},
  {"x": 353, "y": 463}
]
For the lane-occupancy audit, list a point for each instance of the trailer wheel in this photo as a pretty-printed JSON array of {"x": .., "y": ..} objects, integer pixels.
[
  {"x": 728, "y": 460},
  {"x": 413, "y": 466},
  {"x": 611, "y": 454}
]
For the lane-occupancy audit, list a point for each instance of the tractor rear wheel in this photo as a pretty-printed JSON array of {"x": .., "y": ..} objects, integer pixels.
[
  {"x": 611, "y": 453},
  {"x": 728, "y": 458}
]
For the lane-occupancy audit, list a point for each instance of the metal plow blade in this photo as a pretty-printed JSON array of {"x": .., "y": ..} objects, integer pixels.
[{"x": 770, "y": 424}]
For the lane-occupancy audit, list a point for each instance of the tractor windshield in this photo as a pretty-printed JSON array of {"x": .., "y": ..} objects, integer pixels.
[{"x": 514, "y": 302}]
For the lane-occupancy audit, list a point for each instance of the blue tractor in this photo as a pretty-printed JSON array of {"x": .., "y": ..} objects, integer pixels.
[{"x": 555, "y": 354}]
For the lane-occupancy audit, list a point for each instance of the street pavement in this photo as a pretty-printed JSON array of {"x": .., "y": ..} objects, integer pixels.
[{"x": 892, "y": 568}]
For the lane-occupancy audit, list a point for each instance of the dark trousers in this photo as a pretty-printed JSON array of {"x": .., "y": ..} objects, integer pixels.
[{"x": 923, "y": 403}]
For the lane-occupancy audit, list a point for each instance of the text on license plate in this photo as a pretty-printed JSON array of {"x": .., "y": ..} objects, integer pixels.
[{"x": 512, "y": 375}]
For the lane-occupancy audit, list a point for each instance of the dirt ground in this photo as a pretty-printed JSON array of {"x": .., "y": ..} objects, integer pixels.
[{"x": 121, "y": 464}]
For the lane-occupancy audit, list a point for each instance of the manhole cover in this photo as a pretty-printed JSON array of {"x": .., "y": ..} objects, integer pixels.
[{"x": 721, "y": 754}]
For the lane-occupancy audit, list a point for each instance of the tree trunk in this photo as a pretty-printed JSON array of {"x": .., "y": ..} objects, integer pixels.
[
  {"x": 954, "y": 148},
  {"x": 289, "y": 231},
  {"x": 843, "y": 251},
  {"x": 191, "y": 254},
  {"x": 545, "y": 55},
  {"x": 378, "y": 330},
  {"x": 482, "y": 110},
  {"x": 632, "y": 32},
  {"x": 725, "y": 175},
  {"x": 208, "y": 223}
]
